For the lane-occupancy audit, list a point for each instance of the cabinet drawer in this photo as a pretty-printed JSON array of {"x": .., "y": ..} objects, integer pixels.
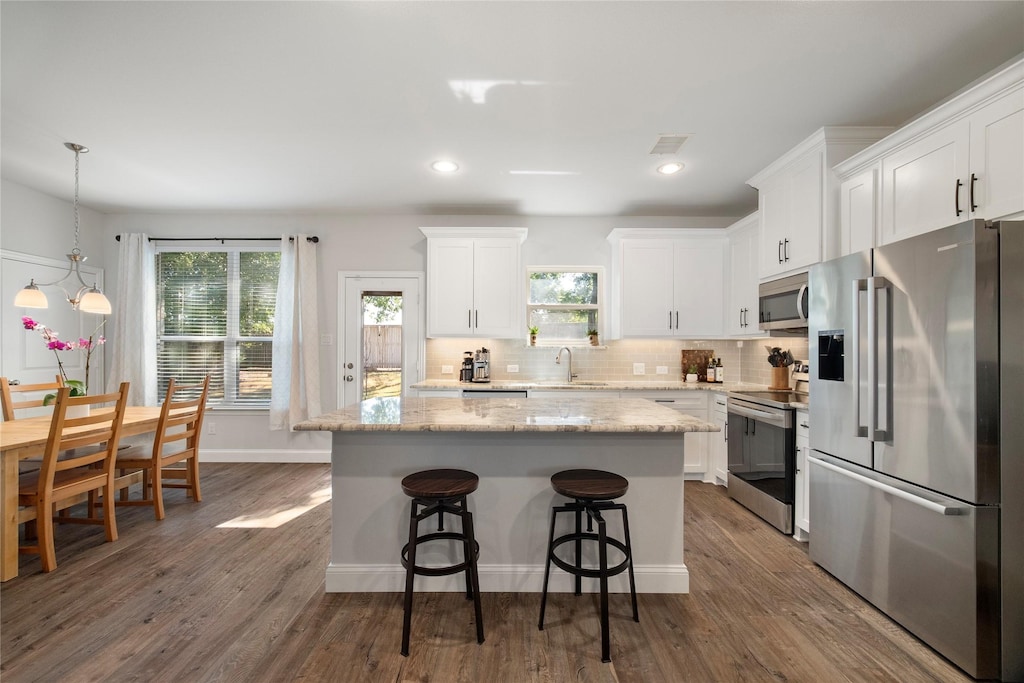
[{"x": 685, "y": 403}]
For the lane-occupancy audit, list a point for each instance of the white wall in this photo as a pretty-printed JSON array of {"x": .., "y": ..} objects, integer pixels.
[{"x": 36, "y": 223}]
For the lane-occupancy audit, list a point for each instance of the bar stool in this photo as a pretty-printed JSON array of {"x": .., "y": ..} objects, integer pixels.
[
  {"x": 437, "y": 492},
  {"x": 592, "y": 492}
]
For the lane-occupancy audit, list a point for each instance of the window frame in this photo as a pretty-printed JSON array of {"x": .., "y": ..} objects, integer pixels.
[
  {"x": 599, "y": 307},
  {"x": 232, "y": 337}
]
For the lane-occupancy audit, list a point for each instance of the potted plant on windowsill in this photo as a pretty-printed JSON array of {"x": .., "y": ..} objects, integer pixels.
[
  {"x": 593, "y": 337},
  {"x": 533, "y": 329}
]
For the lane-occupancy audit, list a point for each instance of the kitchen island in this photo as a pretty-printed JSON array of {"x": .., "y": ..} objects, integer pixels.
[{"x": 514, "y": 445}]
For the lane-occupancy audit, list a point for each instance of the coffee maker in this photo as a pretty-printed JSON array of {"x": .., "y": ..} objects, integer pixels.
[
  {"x": 482, "y": 365},
  {"x": 466, "y": 373}
]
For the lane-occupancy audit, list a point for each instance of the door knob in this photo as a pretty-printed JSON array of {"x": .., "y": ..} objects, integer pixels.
[
  {"x": 348, "y": 378},
  {"x": 349, "y": 365}
]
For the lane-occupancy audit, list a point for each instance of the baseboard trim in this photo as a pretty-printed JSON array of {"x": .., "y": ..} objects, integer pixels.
[
  {"x": 390, "y": 578},
  {"x": 250, "y": 455}
]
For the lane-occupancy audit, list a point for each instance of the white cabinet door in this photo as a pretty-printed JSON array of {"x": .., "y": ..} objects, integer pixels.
[
  {"x": 647, "y": 288},
  {"x": 801, "y": 245},
  {"x": 695, "y": 444},
  {"x": 473, "y": 287},
  {"x": 718, "y": 447},
  {"x": 449, "y": 287},
  {"x": 996, "y": 183},
  {"x": 790, "y": 207},
  {"x": 773, "y": 208},
  {"x": 923, "y": 183},
  {"x": 741, "y": 312},
  {"x": 801, "y": 505},
  {"x": 699, "y": 287},
  {"x": 496, "y": 293},
  {"x": 858, "y": 209}
]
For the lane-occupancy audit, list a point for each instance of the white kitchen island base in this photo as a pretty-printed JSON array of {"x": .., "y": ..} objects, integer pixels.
[{"x": 511, "y": 508}]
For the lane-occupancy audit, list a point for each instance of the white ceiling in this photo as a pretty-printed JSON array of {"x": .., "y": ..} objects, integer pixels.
[{"x": 341, "y": 106}]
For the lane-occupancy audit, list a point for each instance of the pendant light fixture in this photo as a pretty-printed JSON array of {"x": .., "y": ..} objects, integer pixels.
[{"x": 88, "y": 298}]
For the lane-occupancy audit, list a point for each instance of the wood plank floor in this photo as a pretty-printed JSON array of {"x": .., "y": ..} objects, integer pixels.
[{"x": 232, "y": 589}]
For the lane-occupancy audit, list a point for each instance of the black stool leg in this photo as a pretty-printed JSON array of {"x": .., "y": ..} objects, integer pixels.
[
  {"x": 410, "y": 573},
  {"x": 629, "y": 556},
  {"x": 472, "y": 574},
  {"x": 602, "y": 549},
  {"x": 547, "y": 570},
  {"x": 467, "y": 548},
  {"x": 579, "y": 548}
]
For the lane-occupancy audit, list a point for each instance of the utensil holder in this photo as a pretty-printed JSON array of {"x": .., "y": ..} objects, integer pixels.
[{"x": 780, "y": 378}]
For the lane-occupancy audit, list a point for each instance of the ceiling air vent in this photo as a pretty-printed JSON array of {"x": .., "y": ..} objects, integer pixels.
[{"x": 669, "y": 143}]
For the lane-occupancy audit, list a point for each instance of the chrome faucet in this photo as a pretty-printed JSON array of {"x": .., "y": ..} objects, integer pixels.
[{"x": 558, "y": 361}]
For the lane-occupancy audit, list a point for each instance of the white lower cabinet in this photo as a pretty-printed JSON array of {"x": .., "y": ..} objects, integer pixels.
[
  {"x": 801, "y": 506},
  {"x": 718, "y": 445},
  {"x": 696, "y": 462}
]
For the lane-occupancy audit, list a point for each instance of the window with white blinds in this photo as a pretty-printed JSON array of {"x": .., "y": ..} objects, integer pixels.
[{"x": 215, "y": 316}]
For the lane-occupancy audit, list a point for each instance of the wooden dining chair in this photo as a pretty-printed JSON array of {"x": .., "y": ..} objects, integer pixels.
[
  {"x": 88, "y": 445},
  {"x": 10, "y": 392},
  {"x": 176, "y": 441}
]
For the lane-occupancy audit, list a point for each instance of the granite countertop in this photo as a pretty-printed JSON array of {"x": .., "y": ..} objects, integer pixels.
[
  {"x": 585, "y": 385},
  {"x": 569, "y": 414}
]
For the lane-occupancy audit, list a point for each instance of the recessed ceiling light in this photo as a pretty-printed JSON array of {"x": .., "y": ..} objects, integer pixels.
[
  {"x": 670, "y": 168},
  {"x": 445, "y": 166}
]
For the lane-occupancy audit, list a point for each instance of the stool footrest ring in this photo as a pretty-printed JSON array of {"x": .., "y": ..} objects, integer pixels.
[
  {"x": 439, "y": 571},
  {"x": 583, "y": 571}
]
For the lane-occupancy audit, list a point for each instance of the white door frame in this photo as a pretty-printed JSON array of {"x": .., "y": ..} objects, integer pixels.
[{"x": 410, "y": 283}]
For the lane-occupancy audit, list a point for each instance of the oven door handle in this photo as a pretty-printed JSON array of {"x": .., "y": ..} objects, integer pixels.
[{"x": 760, "y": 415}]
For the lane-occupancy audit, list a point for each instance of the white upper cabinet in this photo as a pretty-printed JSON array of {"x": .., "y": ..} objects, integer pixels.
[
  {"x": 961, "y": 160},
  {"x": 474, "y": 282},
  {"x": 741, "y": 312},
  {"x": 798, "y": 200},
  {"x": 668, "y": 283},
  {"x": 858, "y": 212}
]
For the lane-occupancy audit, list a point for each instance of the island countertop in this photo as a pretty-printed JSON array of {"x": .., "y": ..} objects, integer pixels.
[{"x": 569, "y": 414}]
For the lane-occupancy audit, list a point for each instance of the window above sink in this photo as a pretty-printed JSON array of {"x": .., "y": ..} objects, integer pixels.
[{"x": 564, "y": 303}]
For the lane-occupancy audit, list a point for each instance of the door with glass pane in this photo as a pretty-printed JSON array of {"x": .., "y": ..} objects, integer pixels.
[{"x": 382, "y": 347}]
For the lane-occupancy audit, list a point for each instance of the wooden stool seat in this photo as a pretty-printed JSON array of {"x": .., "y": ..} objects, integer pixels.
[
  {"x": 589, "y": 484},
  {"x": 439, "y": 484},
  {"x": 436, "y": 493}
]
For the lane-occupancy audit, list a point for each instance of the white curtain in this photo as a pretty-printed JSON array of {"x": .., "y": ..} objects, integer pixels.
[
  {"x": 295, "y": 390},
  {"x": 133, "y": 339}
]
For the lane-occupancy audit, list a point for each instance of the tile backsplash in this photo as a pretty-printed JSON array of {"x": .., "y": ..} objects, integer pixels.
[{"x": 744, "y": 360}]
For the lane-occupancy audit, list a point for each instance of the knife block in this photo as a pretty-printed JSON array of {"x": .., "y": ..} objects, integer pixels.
[{"x": 780, "y": 379}]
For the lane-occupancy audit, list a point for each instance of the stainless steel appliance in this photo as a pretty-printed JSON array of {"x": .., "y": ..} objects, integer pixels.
[
  {"x": 761, "y": 435},
  {"x": 466, "y": 372},
  {"x": 783, "y": 306},
  {"x": 917, "y": 451},
  {"x": 482, "y": 365}
]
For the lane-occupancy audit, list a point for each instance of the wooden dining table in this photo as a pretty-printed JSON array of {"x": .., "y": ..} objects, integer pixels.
[{"x": 26, "y": 438}]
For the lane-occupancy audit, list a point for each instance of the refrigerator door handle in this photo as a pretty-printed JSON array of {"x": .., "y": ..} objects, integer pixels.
[
  {"x": 948, "y": 510},
  {"x": 875, "y": 284},
  {"x": 859, "y": 286}
]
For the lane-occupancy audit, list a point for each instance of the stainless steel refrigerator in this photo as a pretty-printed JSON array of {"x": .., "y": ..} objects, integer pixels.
[{"x": 917, "y": 437}]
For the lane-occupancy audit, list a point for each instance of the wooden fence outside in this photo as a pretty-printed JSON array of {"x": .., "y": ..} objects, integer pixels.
[{"x": 382, "y": 347}]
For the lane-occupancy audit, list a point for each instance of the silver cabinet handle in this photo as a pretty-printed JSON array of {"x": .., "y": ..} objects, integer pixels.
[
  {"x": 785, "y": 250},
  {"x": 469, "y": 318},
  {"x": 477, "y": 318},
  {"x": 780, "y": 251},
  {"x": 677, "y": 320},
  {"x": 948, "y": 510}
]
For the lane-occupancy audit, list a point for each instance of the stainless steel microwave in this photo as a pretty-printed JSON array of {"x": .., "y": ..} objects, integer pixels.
[{"x": 783, "y": 305}]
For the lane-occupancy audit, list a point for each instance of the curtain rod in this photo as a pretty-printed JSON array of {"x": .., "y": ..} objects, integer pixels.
[{"x": 314, "y": 239}]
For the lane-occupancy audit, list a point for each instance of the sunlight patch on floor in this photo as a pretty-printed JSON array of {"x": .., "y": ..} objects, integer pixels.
[{"x": 275, "y": 517}]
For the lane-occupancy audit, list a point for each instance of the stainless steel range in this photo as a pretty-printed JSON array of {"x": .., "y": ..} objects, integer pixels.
[{"x": 761, "y": 432}]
